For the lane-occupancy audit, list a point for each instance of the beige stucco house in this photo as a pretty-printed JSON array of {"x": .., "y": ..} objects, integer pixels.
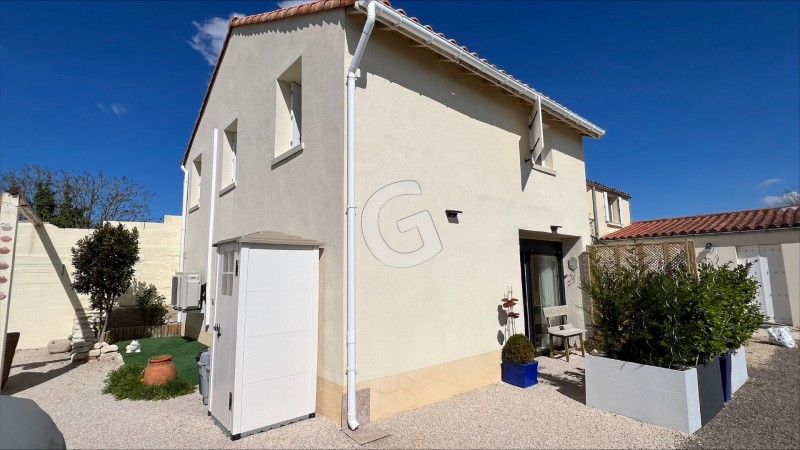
[
  {"x": 768, "y": 238},
  {"x": 468, "y": 185},
  {"x": 611, "y": 205}
]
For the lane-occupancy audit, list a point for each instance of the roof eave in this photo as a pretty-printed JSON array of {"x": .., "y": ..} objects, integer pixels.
[{"x": 403, "y": 24}]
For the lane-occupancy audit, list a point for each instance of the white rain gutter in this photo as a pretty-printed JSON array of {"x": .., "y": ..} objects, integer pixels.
[
  {"x": 183, "y": 225},
  {"x": 391, "y": 17},
  {"x": 372, "y": 8},
  {"x": 212, "y": 209}
]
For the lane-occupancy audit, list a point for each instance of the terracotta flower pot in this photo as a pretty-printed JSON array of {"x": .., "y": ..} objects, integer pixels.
[{"x": 159, "y": 370}]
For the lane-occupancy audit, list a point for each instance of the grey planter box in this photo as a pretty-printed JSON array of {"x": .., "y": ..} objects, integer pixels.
[
  {"x": 665, "y": 397},
  {"x": 738, "y": 369}
]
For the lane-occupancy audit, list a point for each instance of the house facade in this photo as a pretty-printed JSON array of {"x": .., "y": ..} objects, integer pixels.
[
  {"x": 768, "y": 238},
  {"x": 468, "y": 189},
  {"x": 610, "y": 205}
]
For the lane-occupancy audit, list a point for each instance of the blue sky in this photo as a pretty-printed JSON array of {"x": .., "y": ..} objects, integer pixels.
[{"x": 700, "y": 100}]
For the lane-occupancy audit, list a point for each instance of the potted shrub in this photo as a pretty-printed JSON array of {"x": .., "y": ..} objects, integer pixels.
[
  {"x": 519, "y": 365},
  {"x": 734, "y": 290},
  {"x": 662, "y": 333}
]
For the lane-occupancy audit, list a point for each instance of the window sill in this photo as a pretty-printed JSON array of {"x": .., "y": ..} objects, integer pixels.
[
  {"x": 287, "y": 154},
  {"x": 614, "y": 225},
  {"x": 193, "y": 208},
  {"x": 227, "y": 189},
  {"x": 544, "y": 169}
]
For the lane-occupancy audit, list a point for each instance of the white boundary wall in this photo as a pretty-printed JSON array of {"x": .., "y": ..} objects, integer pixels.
[{"x": 44, "y": 305}]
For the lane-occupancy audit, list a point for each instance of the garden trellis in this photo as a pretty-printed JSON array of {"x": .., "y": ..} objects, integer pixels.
[{"x": 662, "y": 256}]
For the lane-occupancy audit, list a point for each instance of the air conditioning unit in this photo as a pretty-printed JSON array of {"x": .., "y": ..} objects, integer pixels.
[{"x": 186, "y": 291}]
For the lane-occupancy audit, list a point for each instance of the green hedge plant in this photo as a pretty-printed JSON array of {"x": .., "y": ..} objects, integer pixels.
[
  {"x": 519, "y": 349},
  {"x": 672, "y": 319}
]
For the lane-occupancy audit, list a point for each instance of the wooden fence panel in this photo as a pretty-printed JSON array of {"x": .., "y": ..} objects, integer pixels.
[{"x": 141, "y": 332}]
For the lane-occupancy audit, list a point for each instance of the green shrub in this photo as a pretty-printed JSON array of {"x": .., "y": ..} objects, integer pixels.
[
  {"x": 125, "y": 382},
  {"x": 731, "y": 287},
  {"x": 671, "y": 319},
  {"x": 519, "y": 349},
  {"x": 151, "y": 306}
]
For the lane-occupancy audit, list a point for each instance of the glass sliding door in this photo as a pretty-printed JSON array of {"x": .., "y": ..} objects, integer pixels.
[{"x": 542, "y": 280}]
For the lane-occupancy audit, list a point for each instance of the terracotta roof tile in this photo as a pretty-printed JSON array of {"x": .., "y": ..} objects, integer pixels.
[{"x": 725, "y": 222}]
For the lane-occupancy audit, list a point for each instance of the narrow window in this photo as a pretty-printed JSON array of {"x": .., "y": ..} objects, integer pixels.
[
  {"x": 289, "y": 113},
  {"x": 229, "y": 150},
  {"x": 296, "y": 114},
  {"x": 197, "y": 171}
]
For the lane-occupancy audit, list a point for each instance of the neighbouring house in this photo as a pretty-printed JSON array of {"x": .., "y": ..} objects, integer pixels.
[
  {"x": 769, "y": 238},
  {"x": 613, "y": 205},
  {"x": 468, "y": 186}
]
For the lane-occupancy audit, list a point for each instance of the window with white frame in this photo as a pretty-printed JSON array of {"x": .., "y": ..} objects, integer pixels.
[
  {"x": 613, "y": 208},
  {"x": 228, "y": 272},
  {"x": 194, "y": 190},
  {"x": 289, "y": 113},
  {"x": 541, "y": 157},
  {"x": 229, "y": 149}
]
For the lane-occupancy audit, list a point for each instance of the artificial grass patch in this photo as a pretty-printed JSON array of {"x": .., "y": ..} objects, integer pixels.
[
  {"x": 182, "y": 349},
  {"x": 126, "y": 382}
]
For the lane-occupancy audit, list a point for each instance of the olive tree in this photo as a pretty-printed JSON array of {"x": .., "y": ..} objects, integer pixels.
[{"x": 104, "y": 266}]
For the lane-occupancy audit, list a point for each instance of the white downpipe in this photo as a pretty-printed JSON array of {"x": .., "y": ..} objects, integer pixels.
[
  {"x": 594, "y": 210},
  {"x": 211, "y": 210},
  {"x": 352, "y": 422},
  {"x": 183, "y": 226}
]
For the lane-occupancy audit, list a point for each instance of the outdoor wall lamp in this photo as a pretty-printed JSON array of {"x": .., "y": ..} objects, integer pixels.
[
  {"x": 554, "y": 228},
  {"x": 709, "y": 246},
  {"x": 452, "y": 213}
]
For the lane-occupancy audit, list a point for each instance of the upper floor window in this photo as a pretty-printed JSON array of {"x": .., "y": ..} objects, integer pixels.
[
  {"x": 541, "y": 158},
  {"x": 229, "y": 149},
  {"x": 289, "y": 113},
  {"x": 194, "y": 190},
  {"x": 613, "y": 208}
]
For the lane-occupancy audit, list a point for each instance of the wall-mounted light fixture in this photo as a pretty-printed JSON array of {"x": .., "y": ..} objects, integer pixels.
[
  {"x": 554, "y": 228},
  {"x": 709, "y": 246},
  {"x": 452, "y": 213}
]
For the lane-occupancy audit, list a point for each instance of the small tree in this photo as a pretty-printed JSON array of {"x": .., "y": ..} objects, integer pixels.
[
  {"x": 104, "y": 266},
  {"x": 790, "y": 198}
]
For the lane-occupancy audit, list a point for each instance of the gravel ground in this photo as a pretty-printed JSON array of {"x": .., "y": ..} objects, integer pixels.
[
  {"x": 765, "y": 413},
  {"x": 550, "y": 415}
]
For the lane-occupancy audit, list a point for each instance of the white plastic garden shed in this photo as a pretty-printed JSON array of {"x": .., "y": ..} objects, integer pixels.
[{"x": 264, "y": 351}]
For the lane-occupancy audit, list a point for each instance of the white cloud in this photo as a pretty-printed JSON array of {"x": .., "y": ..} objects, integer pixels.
[
  {"x": 290, "y": 3},
  {"x": 769, "y": 182},
  {"x": 118, "y": 109},
  {"x": 210, "y": 36},
  {"x": 114, "y": 108},
  {"x": 772, "y": 200}
]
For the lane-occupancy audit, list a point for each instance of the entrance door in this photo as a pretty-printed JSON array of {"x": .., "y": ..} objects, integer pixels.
[
  {"x": 542, "y": 280},
  {"x": 224, "y": 335}
]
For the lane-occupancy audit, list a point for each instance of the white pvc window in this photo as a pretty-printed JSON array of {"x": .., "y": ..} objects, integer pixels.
[
  {"x": 612, "y": 208},
  {"x": 296, "y": 112},
  {"x": 227, "y": 274}
]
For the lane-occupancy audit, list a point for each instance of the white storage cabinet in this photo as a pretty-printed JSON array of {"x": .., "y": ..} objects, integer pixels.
[{"x": 264, "y": 350}]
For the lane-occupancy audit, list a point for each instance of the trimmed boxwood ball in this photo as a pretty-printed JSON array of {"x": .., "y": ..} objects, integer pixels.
[{"x": 519, "y": 349}]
